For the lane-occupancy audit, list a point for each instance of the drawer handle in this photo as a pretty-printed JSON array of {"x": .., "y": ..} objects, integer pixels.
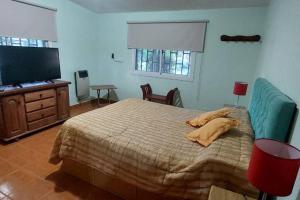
[
  {"x": 42, "y": 105},
  {"x": 42, "y": 115},
  {"x": 41, "y": 95}
]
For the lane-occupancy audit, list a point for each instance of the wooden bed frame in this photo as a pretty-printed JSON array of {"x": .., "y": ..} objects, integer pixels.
[{"x": 264, "y": 96}]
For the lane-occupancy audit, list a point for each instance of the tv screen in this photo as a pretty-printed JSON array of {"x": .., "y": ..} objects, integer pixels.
[{"x": 28, "y": 64}]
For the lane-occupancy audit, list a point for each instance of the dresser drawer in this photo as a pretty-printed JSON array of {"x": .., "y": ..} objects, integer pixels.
[
  {"x": 42, "y": 122},
  {"x": 44, "y": 94},
  {"x": 40, "y": 114},
  {"x": 38, "y": 105}
]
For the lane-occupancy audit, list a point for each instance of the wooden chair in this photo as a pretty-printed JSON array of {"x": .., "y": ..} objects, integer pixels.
[{"x": 147, "y": 95}]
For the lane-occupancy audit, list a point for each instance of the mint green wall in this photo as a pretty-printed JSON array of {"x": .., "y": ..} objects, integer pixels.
[
  {"x": 220, "y": 65},
  {"x": 86, "y": 40},
  {"x": 280, "y": 61},
  {"x": 77, "y": 39}
]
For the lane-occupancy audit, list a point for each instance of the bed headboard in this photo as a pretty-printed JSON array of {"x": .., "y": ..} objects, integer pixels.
[{"x": 271, "y": 111}]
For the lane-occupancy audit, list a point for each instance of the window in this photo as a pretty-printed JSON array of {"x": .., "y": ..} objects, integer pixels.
[
  {"x": 12, "y": 41},
  {"x": 176, "y": 62},
  {"x": 147, "y": 60},
  {"x": 163, "y": 63}
]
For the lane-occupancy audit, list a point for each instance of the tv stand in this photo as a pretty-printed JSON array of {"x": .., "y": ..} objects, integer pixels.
[{"x": 31, "y": 108}]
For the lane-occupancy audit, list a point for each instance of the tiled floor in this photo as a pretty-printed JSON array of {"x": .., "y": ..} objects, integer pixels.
[{"x": 25, "y": 173}]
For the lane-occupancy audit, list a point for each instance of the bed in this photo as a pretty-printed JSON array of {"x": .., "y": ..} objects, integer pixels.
[{"x": 138, "y": 150}]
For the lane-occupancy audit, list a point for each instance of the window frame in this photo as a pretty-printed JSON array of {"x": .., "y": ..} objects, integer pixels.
[
  {"x": 159, "y": 74},
  {"x": 45, "y": 43}
]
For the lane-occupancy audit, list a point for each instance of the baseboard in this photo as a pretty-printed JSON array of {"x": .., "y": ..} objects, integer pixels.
[
  {"x": 83, "y": 103},
  {"x": 92, "y": 101}
]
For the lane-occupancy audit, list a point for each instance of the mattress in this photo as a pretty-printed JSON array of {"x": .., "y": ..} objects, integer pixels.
[{"x": 144, "y": 144}]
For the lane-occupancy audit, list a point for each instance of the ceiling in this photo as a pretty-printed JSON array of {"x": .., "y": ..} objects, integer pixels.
[{"x": 107, "y": 6}]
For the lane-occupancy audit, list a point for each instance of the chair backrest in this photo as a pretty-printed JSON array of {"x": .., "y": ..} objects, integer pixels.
[
  {"x": 146, "y": 89},
  {"x": 170, "y": 96}
]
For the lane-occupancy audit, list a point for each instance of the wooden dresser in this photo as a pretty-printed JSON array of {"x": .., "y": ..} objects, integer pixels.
[{"x": 25, "y": 110}]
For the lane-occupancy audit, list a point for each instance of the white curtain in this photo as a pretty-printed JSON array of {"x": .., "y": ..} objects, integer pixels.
[
  {"x": 188, "y": 36},
  {"x": 24, "y": 20}
]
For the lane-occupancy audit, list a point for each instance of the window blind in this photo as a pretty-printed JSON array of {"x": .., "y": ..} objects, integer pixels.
[
  {"x": 25, "y": 20},
  {"x": 188, "y": 36}
]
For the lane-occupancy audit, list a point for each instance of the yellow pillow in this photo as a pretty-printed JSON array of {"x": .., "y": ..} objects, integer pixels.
[
  {"x": 212, "y": 130},
  {"x": 208, "y": 116}
]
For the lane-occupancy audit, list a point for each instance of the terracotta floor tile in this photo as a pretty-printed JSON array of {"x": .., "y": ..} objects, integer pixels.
[
  {"x": 2, "y": 195},
  {"x": 64, "y": 195},
  {"x": 44, "y": 137},
  {"x": 6, "y": 198},
  {"x": 6, "y": 168},
  {"x": 17, "y": 155},
  {"x": 42, "y": 148},
  {"x": 24, "y": 157},
  {"x": 23, "y": 185},
  {"x": 9, "y": 151},
  {"x": 26, "y": 174},
  {"x": 41, "y": 167}
]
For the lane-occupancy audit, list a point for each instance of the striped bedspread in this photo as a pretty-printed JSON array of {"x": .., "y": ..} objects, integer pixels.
[{"x": 143, "y": 143}]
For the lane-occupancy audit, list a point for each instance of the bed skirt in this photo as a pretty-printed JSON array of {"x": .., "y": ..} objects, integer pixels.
[{"x": 115, "y": 186}]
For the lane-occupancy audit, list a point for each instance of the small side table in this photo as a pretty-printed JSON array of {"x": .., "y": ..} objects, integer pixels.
[
  {"x": 103, "y": 87},
  {"x": 217, "y": 193}
]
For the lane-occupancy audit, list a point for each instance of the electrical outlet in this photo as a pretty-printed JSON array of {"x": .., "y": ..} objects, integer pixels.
[{"x": 116, "y": 57}]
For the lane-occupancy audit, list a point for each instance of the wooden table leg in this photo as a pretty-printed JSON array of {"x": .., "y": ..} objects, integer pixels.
[{"x": 98, "y": 95}]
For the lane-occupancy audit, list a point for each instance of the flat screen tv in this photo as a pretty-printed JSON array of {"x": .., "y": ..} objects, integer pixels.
[{"x": 28, "y": 64}]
